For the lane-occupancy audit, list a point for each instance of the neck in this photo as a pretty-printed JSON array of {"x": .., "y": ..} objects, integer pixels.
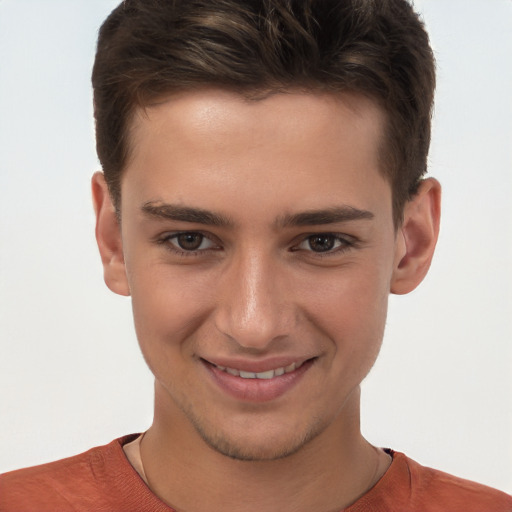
[{"x": 329, "y": 473}]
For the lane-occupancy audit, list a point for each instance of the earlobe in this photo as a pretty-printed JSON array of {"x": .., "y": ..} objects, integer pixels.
[
  {"x": 108, "y": 237},
  {"x": 417, "y": 238}
]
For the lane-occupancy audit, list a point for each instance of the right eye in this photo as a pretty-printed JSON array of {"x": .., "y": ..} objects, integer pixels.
[{"x": 189, "y": 242}]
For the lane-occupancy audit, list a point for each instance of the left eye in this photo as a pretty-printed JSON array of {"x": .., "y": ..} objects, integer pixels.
[
  {"x": 191, "y": 241},
  {"x": 322, "y": 243}
]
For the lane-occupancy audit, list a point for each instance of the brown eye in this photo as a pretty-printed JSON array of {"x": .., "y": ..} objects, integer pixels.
[
  {"x": 322, "y": 243},
  {"x": 189, "y": 241},
  {"x": 328, "y": 243}
]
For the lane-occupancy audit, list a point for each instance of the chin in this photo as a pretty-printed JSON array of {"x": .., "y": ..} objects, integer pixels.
[{"x": 259, "y": 447}]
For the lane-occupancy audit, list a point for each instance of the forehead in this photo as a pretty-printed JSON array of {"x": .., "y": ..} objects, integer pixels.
[
  {"x": 211, "y": 111},
  {"x": 285, "y": 148}
]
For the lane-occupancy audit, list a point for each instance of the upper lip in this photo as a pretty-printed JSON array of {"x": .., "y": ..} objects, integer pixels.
[{"x": 256, "y": 366}]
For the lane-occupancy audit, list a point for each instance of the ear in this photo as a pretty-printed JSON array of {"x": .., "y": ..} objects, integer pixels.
[
  {"x": 417, "y": 237},
  {"x": 108, "y": 237}
]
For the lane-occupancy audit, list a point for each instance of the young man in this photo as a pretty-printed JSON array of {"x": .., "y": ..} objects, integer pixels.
[{"x": 262, "y": 195}]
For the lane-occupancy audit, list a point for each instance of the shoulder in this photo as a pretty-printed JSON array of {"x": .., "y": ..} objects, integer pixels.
[
  {"x": 454, "y": 493},
  {"x": 74, "y": 483},
  {"x": 410, "y": 487}
]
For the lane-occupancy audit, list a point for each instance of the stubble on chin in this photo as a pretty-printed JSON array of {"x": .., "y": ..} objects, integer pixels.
[{"x": 253, "y": 452}]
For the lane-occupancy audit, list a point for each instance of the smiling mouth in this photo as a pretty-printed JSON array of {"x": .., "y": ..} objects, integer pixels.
[
  {"x": 258, "y": 386},
  {"x": 269, "y": 374}
]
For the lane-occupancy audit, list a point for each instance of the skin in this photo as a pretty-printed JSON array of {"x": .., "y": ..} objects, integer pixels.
[{"x": 266, "y": 286}]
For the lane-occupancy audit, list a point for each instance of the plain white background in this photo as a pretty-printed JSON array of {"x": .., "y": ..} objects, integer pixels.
[{"x": 71, "y": 375}]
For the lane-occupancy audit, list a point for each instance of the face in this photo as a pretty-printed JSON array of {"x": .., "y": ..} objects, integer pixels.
[{"x": 259, "y": 249}]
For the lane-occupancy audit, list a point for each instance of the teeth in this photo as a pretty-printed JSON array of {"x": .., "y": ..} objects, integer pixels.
[
  {"x": 247, "y": 375},
  {"x": 289, "y": 368},
  {"x": 265, "y": 375},
  {"x": 269, "y": 374}
]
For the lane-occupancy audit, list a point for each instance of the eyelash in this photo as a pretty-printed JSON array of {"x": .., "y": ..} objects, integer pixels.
[
  {"x": 346, "y": 243},
  {"x": 166, "y": 240}
]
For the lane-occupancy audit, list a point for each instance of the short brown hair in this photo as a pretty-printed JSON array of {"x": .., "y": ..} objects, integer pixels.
[{"x": 149, "y": 48}]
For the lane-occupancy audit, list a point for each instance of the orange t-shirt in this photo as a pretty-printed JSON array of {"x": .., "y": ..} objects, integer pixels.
[{"x": 102, "y": 479}]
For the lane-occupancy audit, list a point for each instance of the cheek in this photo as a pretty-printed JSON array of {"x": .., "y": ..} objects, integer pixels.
[
  {"x": 168, "y": 305},
  {"x": 351, "y": 310}
]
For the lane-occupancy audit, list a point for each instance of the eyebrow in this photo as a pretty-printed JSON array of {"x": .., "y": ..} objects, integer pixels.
[
  {"x": 308, "y": 218},
  {"x": 185, "y": 214},
  {"x": 325, "y": 216}
]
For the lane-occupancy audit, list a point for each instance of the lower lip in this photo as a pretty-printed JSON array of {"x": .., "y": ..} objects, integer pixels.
[{"x": 257, "y": 390}]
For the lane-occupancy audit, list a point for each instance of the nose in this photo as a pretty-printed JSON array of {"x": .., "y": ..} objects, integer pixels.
[{"x": 253, "y": 308}]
